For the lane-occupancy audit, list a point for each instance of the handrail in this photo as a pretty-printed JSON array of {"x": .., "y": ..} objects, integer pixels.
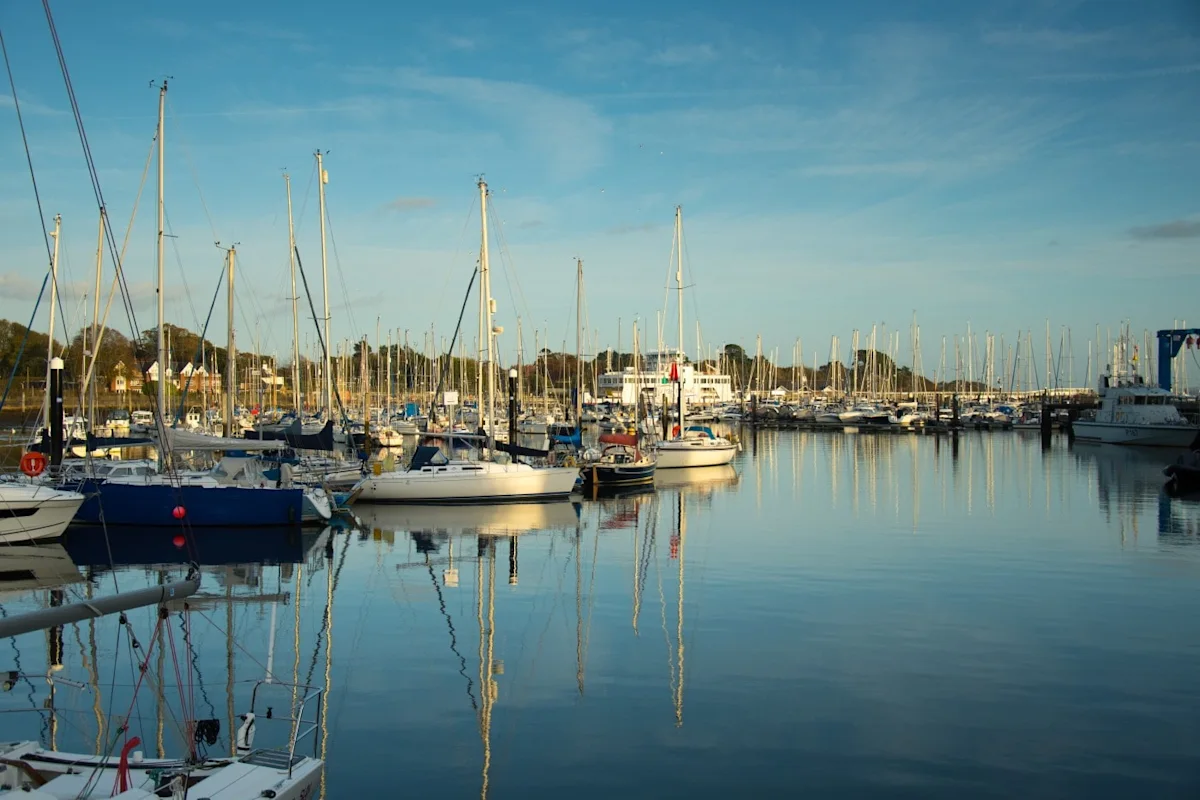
[{"x": 298, "y": 720}]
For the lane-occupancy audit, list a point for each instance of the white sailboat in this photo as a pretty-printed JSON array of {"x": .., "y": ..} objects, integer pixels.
[
  {"x": 695, "y": 445},
  {"x": 431, "y": 477}
]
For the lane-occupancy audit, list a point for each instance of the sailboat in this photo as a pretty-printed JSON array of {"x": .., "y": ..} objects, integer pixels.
[
  {"x": 204, "y": 500},
  {"x": 694, "y": 445},
  {"x": 431, "y": 477}
]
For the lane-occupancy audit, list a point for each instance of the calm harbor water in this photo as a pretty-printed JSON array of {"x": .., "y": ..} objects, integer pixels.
[{"x": 837, "y": 614}]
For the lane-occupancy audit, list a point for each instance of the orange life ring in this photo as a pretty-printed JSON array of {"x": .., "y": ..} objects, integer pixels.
[
  {"x": 675, "y": 432},
  {"x": 33, "y": 464}
]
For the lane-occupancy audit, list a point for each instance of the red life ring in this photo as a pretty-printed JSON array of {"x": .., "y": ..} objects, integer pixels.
[
  {"x": 675, "y": 432},
  {"x": 33, "y": 464}
]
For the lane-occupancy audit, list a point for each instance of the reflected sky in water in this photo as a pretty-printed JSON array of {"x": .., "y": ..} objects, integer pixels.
[{"x": 837, "y": 614}]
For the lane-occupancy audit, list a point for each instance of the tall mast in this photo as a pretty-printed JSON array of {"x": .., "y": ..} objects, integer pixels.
[
  {"x": 95, "y": 344},
  {"x": 231, "y": 354},
  {"x": 679, "y": 272},
  {"x": 296, "y": 397},
  {"x": 53, "y": 308},
  {"x": 578, "y": 338},
  {"x": 485, "y": 286},
  {"x": 322, "y": 179},
  {"x": 162, "y": 345}
]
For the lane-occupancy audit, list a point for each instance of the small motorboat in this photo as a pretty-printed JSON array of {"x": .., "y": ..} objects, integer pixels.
[
  {"x": 620, "y": 463},
  {"x": 1183, "y": 477}
]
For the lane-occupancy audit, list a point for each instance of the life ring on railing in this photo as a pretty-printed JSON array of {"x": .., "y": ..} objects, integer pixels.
[
  {"x": 675, "y": 432},
  {"x": 33, "y": 464},
  {"x": 569, "y": 461}
]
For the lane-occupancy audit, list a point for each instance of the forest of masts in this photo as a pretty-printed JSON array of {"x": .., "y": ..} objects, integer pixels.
[{"x": 398, "y": 369}]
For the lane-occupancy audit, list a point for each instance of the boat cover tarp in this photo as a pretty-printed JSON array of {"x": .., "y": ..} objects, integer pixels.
[
  {"x": 575, "y": 438},
  {"x": 426, "y": 455},
  {"x": 627, "y": 439},
  {"x": 295, "y": 436},
  {"x": 178, "y": 439},
  {"x": 42, "y": 445},
  {"x": 707, "y": 431},
  {"x": 518, "y": 450}
]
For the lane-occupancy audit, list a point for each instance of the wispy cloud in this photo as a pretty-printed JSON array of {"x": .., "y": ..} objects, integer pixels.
[
  {"x": 261, "y": 31},
  {"x": 18, "y": 287},
  {"x": 684, "y": 55},
  {"x": 622, "y": 230},
  {"x": 1047, "y": 38},
  {"x": 410, "y": 203},
  {"x": 870, "y": 169},
  {"x": 530, "y": 224},
  {"x": 29, "y": 106},
  {"x": 568, "y": 133},
  {"x": 1175, "y": 229},
  {"x": 1122, "y": 75}
]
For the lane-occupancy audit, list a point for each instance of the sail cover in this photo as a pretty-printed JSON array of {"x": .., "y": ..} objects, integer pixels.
[
  {"x": 295, "y": 436},
  {"x": 186, "y": 440}
]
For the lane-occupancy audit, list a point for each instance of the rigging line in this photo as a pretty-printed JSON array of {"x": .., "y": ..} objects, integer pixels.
[
  {"x": 506, "y": 260},
  {"x": 187, "y": 289},
  {"x": 187, "y": 156},
  {"x": 337, "y": 260},
  {"x": 21, "y": 672},
  {"x": 187, "y": 640},
  {"x": 462, "y": 660},
  {"x": 183, "y": 394},
  {"x": 28, "y": 156},
  {"x": 320, "y": 338},
  {"x": 87, "y": 153},
  {"x": 450, "y": 350},
  {"x": 12, "y": 375}
]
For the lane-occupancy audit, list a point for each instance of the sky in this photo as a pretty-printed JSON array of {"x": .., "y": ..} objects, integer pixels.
[{"x": 839, "y": 166}]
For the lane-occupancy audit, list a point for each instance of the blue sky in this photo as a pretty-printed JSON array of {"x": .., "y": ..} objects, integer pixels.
[{"x": 839, "y": 165}]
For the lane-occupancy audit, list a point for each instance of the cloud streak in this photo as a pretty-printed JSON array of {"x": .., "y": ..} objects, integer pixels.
[
  {"x": 1175, "y": 229},
  {"x": 410, "y": 203},
  {"x": 567, "y": 133}
]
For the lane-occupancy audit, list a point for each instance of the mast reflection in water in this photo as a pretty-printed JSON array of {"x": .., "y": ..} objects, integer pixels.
[{"x": 844, "y": 615}]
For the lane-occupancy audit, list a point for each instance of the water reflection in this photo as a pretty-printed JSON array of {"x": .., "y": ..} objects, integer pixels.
[{"x": 847, "y": 614}]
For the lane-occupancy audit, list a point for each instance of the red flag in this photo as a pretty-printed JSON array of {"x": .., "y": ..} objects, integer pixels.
[{"x": 674, "y": 372}]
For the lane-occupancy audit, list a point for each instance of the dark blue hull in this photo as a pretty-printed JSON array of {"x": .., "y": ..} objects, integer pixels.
[
  {"x": 605, "y": 475},
  {"x": 205, "y": 507}
]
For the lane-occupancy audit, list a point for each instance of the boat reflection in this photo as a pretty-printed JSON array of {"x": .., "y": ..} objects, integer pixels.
[
  {"x": 100, "y": 547},
  {"x": 698, "y": 479},
  {"x": 36, "y": 566},
  {"x": 505, "y": 519}
]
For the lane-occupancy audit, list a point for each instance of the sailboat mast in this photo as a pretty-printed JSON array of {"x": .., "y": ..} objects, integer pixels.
[
  {"x": 95, "y": 327},
  {"x": 578, "y": 338},
  {"x": 485, "y": 285},
  {"x": 322, "y": 179},
  {"x": 162, "y": 346},
  {"x": 53, "y": 307},
  {"x": 231, "y": 354},
  {"x": 679, "y": 271},
  {"x": 296, "y": 397}
]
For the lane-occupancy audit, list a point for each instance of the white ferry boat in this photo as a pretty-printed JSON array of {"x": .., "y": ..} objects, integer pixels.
[{"x": 700, "y": 387}]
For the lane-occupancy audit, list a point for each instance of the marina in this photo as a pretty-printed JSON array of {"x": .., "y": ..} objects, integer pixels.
[{"x": 409, "y": 469}]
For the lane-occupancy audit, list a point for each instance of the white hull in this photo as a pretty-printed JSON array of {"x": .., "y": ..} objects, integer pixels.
[
  {"x": 1144, "y": 435},
  {"x": 694, "y": 453},
  {"x": 29, "y": 513},
  {"x": 70, "y": 775},
  {"x": 469, "y": 482}
]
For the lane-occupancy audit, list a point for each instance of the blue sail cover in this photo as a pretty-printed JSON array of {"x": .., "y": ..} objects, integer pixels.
[{"x": 575, "y": 438}]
